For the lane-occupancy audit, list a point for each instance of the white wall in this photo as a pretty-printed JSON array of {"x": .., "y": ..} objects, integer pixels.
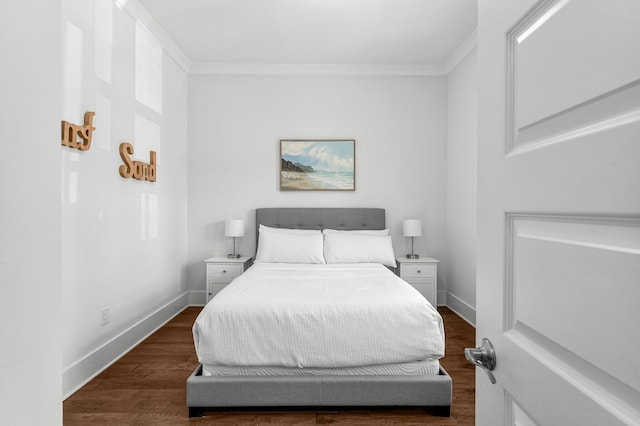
[
  {"x": 462, "y": 139},
  {"x": 124, "y": 242},
  {"x": 30, "y": 374},
  {"x": 236, "y": 122}
]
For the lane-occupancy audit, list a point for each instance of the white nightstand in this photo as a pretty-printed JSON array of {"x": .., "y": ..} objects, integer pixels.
[
  {"x": 421, "y": 273},
  {"x": 221, "y": 271}
]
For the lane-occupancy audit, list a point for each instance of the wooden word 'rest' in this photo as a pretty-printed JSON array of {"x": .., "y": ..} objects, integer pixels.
[
  {"x": 137, "y": 169},
  {"x": 71, "y": 132}
]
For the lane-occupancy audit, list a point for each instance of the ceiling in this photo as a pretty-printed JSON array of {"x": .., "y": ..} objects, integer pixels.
[{"x": 358, "y": 32}]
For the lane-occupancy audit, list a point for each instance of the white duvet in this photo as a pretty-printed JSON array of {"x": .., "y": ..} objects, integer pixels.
[{"x": 322, "y": 315}]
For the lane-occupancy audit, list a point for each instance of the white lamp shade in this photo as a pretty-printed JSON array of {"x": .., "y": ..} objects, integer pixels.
[
  {"x": 233, "y": 228},
  {"x": 412, "y": 228}
]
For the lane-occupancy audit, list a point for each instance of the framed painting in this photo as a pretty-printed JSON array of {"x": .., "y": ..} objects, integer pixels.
[{"x": 318, "y": 165}]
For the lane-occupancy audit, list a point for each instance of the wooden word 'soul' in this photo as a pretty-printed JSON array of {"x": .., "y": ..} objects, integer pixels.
[
  {"x": 70, "y": 133},
  {"x": 137, "y": 169}
]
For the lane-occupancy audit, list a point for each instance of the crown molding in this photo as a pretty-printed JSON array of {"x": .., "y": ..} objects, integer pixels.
[
  {"x": 140, "y": 14},
  {"x": 466, "y": 47},
  {"x": 316, "y": 69}
]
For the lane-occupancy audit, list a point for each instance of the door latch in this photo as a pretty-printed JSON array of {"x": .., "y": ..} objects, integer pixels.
[{"x": 483, "y": 357}]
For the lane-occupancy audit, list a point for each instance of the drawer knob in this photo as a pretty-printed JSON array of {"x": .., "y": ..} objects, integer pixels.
[
  {"x": 224, "y": 271},
  {"x": 419, "y": 271}
]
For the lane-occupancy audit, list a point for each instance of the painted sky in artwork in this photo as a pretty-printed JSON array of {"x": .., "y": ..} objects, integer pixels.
[{"x": 321, "y": 155}]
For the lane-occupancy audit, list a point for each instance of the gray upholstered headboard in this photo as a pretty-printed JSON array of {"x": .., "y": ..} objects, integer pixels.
[{"x": 320, "y": 218}]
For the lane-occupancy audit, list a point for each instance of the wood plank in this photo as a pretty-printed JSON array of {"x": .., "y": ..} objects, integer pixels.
[{"x": 148, "y": 386}]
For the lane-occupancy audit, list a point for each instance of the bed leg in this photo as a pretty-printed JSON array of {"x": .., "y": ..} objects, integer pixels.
[
  {"x": 196, "y": 411},
  {"x": 442, "y": 410}
]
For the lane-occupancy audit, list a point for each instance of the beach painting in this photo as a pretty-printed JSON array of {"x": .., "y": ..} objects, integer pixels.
[{"x": 317, "y": 165}]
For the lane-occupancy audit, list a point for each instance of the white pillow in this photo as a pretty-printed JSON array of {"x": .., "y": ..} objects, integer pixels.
[
  {"x": 264, "y": 228},
  {"x": 346, "y": 247},
  {"x": 289, "y": 247},
  {"x": 358, "y": 231}
]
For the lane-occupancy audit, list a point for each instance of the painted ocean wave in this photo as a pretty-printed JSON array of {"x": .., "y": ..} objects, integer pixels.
[{"x": 332, "y": 179}]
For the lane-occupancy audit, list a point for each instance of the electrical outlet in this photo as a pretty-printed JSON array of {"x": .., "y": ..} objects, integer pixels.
[{"x": 104, "y": 316}]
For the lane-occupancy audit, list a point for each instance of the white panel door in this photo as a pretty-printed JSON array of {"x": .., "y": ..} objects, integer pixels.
[{"x": 559, "y": 211}]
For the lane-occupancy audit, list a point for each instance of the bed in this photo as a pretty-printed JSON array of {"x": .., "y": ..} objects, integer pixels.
[{"x": 319, "y": 332}]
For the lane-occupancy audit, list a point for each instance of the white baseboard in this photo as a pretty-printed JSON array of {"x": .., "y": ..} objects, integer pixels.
[
  {"x": 197, "y": 298},
  {"x": 462, "y": 308},
  {"x": 81, "y": 372}
]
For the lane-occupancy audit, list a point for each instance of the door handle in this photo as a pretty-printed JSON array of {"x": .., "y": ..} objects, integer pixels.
[{"x": 483, "y": 357}]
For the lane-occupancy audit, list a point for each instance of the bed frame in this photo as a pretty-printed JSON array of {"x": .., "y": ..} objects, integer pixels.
[{"x": 264, "y": 392}]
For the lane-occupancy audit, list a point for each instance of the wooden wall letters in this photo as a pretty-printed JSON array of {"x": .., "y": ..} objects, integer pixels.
[
  {"x": 79, "y": 137},
  {"x": 71, "y": 132},
  {"x": 137, "y": 169}
]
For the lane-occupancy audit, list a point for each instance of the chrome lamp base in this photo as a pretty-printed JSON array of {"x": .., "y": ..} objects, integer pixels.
[
  {"x": 412, "y": 255},
  {"x": 233, "y": 255}
]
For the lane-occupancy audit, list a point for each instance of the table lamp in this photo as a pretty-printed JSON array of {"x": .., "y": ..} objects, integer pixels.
[
  {"x": 234, "y": 228},
  {"x": 412, "y": 228}
]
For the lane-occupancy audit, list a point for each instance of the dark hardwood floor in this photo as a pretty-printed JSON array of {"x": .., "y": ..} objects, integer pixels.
[{"x": 147, "y": 387}]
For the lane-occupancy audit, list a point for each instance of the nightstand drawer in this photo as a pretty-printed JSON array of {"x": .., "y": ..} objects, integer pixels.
[
  {"x": 221, "y": 271},
  {"x": 224, "y": 271},
  {"x": 418, "y": 271}
]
